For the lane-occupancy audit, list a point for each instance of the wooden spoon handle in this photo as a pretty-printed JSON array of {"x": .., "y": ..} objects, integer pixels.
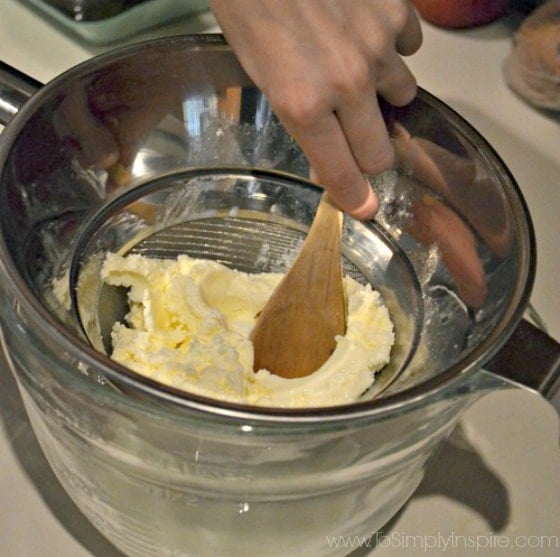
[
  {"x": 296, "y": 331},
  {"x": 328, "y": 220}
]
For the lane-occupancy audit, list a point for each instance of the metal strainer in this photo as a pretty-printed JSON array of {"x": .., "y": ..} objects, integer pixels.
[{"x": 252, "y": 221}]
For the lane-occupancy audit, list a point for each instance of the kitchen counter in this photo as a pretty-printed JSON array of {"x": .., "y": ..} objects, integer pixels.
[{"x": 464, "y": 69}]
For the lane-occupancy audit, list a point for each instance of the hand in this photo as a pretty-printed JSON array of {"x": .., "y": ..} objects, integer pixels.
[{"x": 321, "y": 65}]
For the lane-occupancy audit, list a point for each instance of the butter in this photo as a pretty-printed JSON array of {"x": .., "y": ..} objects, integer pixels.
[{"x": 189, "y": 326}]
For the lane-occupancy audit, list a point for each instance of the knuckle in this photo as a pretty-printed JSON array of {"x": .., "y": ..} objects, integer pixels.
[
  {"x": 381, "y": 48},
  {"x": 346, "y": 70},
  {"x": 298, "y": 104},
  {"x": 352, "y": 78},
  {"x": 400, "y": 14}
]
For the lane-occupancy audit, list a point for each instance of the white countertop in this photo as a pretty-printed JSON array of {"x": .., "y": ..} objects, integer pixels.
[{"x": 464, "y": 69}]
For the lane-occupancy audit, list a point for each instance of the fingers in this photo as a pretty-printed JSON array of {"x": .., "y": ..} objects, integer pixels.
[
  {"x": 410, "y": 38},
  {"x": 364, "y": 128},
  {"x": 395, "y": 82},
  {"x": 322, "y": 65},
  {"x": 334, "y": 166},
  {"x": 398, "y": 33}
]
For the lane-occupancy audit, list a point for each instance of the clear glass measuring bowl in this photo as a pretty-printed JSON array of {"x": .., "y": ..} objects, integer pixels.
[{"x": 158, "y": 471}]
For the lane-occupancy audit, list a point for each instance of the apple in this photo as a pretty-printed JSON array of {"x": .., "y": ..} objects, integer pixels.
[{"x": 460, "y": 13}]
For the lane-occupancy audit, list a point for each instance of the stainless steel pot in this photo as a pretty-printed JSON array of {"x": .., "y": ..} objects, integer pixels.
[{"x": 452, "y": 251}]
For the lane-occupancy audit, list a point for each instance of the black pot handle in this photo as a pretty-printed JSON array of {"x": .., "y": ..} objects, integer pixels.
[
  {"x": 15, "y": 90},
  {"x": 530, "y": 357}
]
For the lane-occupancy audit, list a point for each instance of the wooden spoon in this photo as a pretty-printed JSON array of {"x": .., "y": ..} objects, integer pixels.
[{"x": 295, "y": 332}]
